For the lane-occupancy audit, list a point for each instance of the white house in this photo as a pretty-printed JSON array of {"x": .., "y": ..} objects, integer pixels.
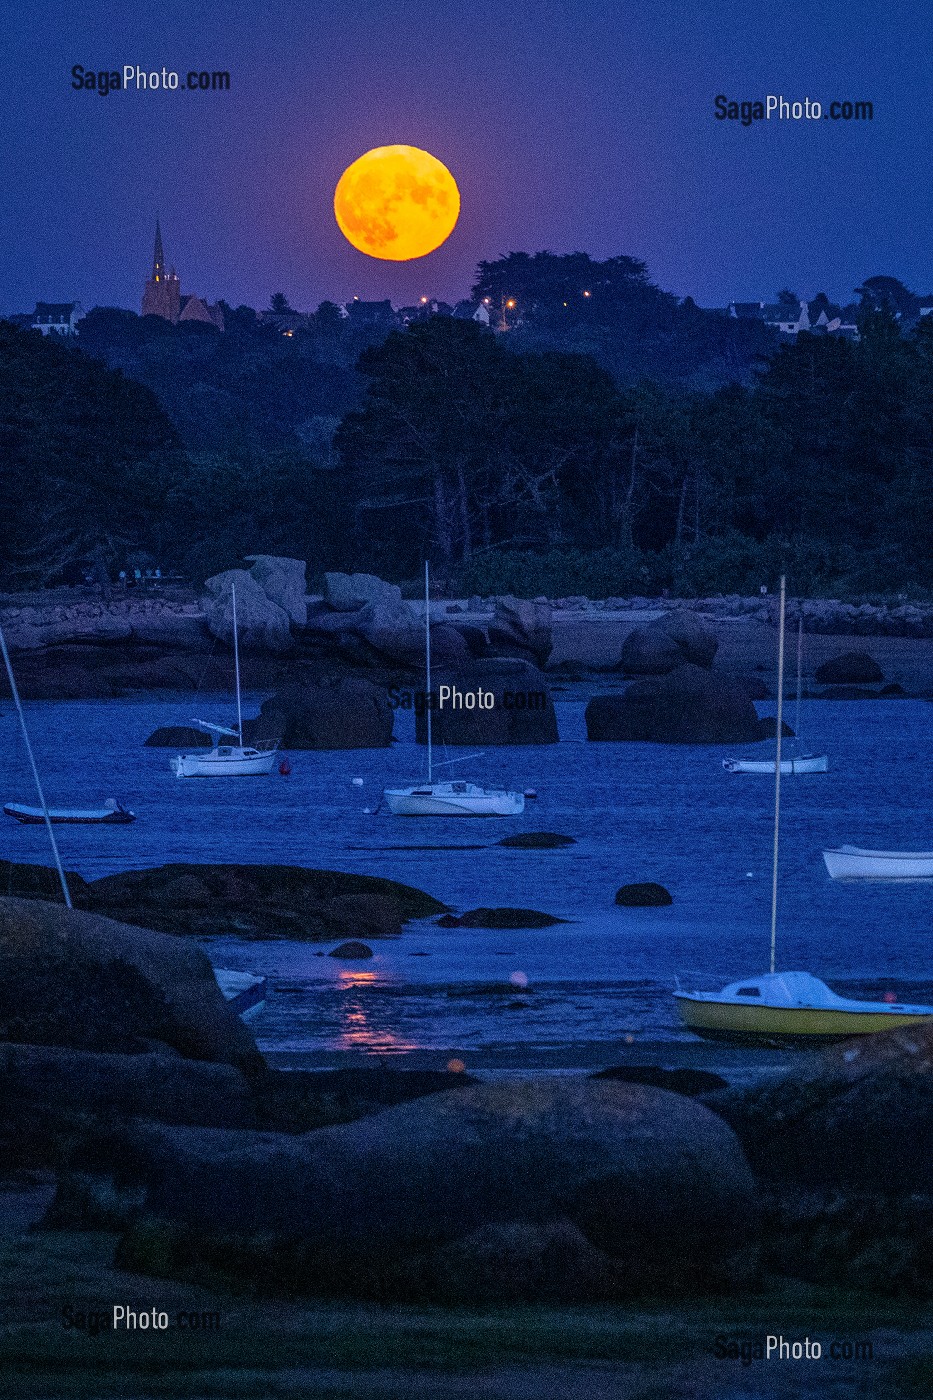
[{"x": 57, "y": 317}]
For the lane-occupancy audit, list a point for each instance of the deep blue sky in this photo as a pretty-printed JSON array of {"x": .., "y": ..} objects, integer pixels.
[{"x": 568, "y": 124}]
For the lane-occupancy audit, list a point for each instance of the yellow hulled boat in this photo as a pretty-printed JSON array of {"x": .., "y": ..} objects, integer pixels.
[{"x": 789, "y": 1008}]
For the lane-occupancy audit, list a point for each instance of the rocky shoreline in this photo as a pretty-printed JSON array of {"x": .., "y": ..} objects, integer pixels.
[
  {"x": 124, "y": 1072},
  {"x": 70, "y": 645}
]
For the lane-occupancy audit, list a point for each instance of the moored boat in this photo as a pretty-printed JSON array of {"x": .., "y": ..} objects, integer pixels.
[
  {"x": 855, "y": 863},
  {"x": 789, "y": 1008},
  {"x": 227, "y": 760},
  {"x": 806, "y": 763},
  {"x": 245, "y": 993},
  {"x": 453, "y": 800},
  {"x": 112, "y": 813},
  {"x": 786, "y": 1008},
  {"x": 449, "y": 799}
]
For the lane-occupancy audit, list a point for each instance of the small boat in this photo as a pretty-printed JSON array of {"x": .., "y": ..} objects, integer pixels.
[
  {"x": 453, "y": 800},
  {"x": 226, "y": 760},
  {"x": 785, "y": 1008},
  {"x": 806, "y": 763},
  {"x": 113, "y": 813},
  {"x": 800, "y": 763},
  {"x": 223, "y": 760},
  {"x": 450, "y": 799},
  {"x": 244, "y": 992},
  {"x": 854, "y": 863},
  {"x": 789, "y": 1008}
]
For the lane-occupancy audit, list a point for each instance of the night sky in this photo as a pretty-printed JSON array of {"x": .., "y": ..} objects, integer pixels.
[{"x": 568, "y": 124}]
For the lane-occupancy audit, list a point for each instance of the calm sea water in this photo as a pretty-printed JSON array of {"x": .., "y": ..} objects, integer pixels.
[{"x": 599, "y": 986}]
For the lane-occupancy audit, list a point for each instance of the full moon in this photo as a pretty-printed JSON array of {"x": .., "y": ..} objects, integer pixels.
[{"x": 396, "y": 202}]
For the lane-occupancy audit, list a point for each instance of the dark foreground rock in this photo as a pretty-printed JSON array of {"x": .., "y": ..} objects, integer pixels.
[
  {"x": 856, "y": 1115},
  {"x": 74, "y": 979},
  {"x": 345, "y": 713},
  {"x": 602, "y": 1189},
  {"x": 851, "y": 668},
  {"x": 499, "y": 918},
  {"x": 688, "y": 706},
  {"x": 259, "y": 901},
  {"x": 166, "y": 1087},
  {"x": 690, "y": 1082},
  {"x": 537, "y": 841},
  {"x": 646, "y": 895}
]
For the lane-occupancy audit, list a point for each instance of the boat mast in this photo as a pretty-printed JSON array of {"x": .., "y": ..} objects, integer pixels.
[
  {"x": 35, "y": 772},
  {"x": 799, "y": 681},
  {"x": 427, "y": 656},
  {"x": 777, "y": 771},
  {"x": 236, "y": 667}
]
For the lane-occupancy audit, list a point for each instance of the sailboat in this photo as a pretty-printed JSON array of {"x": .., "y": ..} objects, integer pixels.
[
  {"x": 800, "y": 762},
  {"x": 450, "y": 799},
  {"x": 226, "y": 760},
  {"x": 786, "y": 1008}
]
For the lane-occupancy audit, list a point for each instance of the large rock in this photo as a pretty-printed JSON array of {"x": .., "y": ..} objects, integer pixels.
[
  {"x": 521, "y": 629},
  {"x": 349, "y": 592},
  {"x": 500, "y": 918},
  {"x": 857, "y": 1115},
  {"x": 667, "y": 642},
  {"x": 649, "y": 653},
  {"x": 646, "y": 895},
  {"x": 391, "y": 627},
  {"x": 688, "y": 706},
  {"x": 162, "y": 1086},
  {"x": 522, "y": 711},
  {"x": 262, "y": 624},
  {"x": 178, "y": 736},
  {"x": 851, "y": 668},
  {"x": 259, "y": 901},
  {"x": 651, "y": 1180},
  {"x": 69, "y": 978},
  {"x": 173, "y": 630},
  {"x": 347, "y": 713},
  {"x": 283, "y": 582}
]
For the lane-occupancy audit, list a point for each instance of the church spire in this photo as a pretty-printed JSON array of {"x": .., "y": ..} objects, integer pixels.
[{"x": 158, "y": 260}]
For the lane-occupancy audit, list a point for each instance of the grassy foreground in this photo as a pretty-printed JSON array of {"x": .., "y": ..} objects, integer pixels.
[{"x": 344, "y": 1351}]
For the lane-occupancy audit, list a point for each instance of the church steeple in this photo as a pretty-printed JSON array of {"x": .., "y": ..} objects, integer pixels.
[{"x": 158, "y": 260}]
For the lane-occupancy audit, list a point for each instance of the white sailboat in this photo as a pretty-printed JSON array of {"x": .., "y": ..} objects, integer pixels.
[
  {"x": 786, "y": 1008},
  {"x": 226, "y": 760},
  {"x": 450, "y": 799},
  {"x": 799, "y": 763},
  {"x": 856, "y": 863}
]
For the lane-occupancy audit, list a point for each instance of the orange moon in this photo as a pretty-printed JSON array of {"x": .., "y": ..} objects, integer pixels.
[{"x": 396, "y": 202}]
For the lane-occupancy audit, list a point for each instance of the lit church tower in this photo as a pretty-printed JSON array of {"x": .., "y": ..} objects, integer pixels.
[{"x": 163, "y": 297}]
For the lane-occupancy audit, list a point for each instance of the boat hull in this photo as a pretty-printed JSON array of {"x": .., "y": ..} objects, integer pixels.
[
  {"x": 404, "y": 802},
  {"x": 807, "y": 763},
  {"x": 243, "y": 993},
  {"x": 851, "y": 863},
  {"x": 220, "y": 765},
  {"x": 106, "y": 816},
  {"x": 787, "y": 1025}
]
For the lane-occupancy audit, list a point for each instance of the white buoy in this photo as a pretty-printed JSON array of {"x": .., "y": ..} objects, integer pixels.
[
  {"x": 519, "y": 979},
  {"x": 357, "y": 782}
]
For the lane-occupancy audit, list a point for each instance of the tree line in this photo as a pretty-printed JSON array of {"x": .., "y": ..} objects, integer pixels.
[{"x": 483, "y": 449}]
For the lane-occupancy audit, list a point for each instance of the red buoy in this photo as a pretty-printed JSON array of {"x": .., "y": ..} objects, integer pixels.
[{"x": 285, "y": 767}]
